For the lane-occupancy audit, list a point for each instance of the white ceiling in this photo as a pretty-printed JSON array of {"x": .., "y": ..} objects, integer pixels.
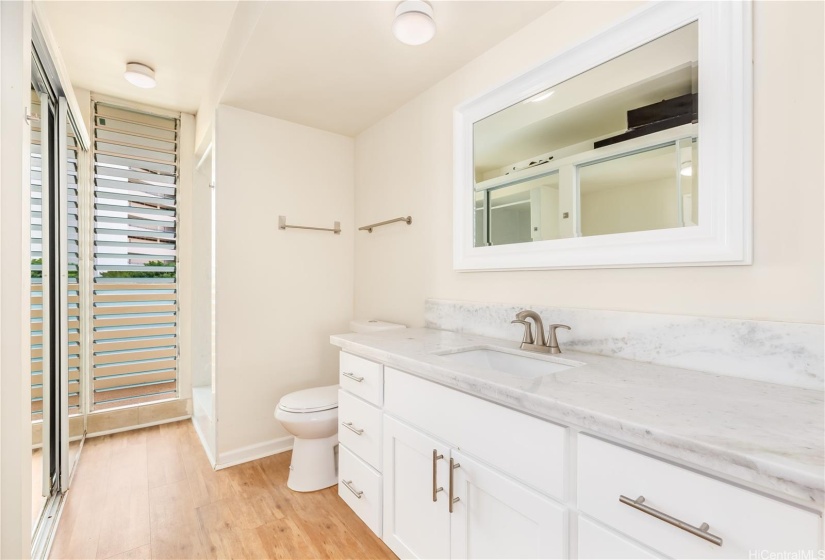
[
  {"x": 180, "y": 40},
  {"x": 336, "y": 65},
  {"x": 332, "y": 65}
]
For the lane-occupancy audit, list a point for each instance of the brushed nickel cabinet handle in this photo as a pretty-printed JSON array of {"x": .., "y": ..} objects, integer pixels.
[
  {"x": 453, "y": 499},
  {"x": 348, "y": 484},
  {"x": 436, "y": 487},
  {"x": 701, "y": 531},
  {"x": 352, "y": 376},
  {"x": 350, "y": 427}
]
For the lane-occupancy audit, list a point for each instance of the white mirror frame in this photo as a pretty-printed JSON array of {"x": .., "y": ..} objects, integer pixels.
[{"x": 724, "y": 233}]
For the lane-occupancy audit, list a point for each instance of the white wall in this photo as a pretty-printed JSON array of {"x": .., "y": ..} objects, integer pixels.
[
  {"x": 201, "y": 328},
  {"x": 404, "y": 166},
  {"x": 280, "y": 294},
  {"x": 15, "y": 358}
]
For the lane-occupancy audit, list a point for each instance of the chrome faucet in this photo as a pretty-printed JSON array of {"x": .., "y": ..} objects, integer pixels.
[
  {"x": 550, "y": 345},
  {"x": 522, "y": 316}
]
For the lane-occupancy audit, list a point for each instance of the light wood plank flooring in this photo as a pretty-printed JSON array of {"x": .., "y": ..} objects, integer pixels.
[{"x": 151, "y": 493}]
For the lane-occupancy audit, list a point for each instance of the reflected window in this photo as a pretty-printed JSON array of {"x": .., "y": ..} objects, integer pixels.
[
  {"x": 611, "y": 150},
  {"x": 528, "y": 211}
]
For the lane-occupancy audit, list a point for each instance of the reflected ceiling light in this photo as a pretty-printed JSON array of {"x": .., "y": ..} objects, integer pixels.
[
  {"x": 413, "y": 23},
  {"x": 140, "y": 75},
  {"x": 539, "y": 97},
  {"x": 687, "y": 169}
]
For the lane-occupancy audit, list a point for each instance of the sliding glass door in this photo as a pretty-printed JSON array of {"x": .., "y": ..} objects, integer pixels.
[
  {"x": 73, "y": 387},
  {"x": 56, "y": 359},
  {"x": 41, "y": 118}
]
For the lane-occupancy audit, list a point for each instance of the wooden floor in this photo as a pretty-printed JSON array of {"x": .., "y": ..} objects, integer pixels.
[{"x": 151, "y": 493}]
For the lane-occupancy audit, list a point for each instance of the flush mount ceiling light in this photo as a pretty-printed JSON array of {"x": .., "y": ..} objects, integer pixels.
[
  {"x": 539, "y": 97},
  {"x": 687, "y": 169},
  {"x": 140, "y": 75},
  {"x": 413, "y": 23}
]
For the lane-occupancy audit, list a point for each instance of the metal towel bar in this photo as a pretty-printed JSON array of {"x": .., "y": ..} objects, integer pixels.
[
  {"x": 370, "y": 227},
  {"x": 336, "y": 229}
]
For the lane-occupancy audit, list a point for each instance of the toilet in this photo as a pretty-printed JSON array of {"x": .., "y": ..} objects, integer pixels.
[{"x": 311, "y": 415}]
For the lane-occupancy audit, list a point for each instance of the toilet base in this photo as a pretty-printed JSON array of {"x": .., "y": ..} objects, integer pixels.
[{"x": 313, "y": 464}]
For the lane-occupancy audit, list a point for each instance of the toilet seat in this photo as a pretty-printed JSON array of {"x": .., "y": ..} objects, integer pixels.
[{"x": 316, "y": 399}]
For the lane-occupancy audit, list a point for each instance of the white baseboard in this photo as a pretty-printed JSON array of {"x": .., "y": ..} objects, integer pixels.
[
  {"x": 204, "y": 444},
  {"x": 252, "y": 452}
]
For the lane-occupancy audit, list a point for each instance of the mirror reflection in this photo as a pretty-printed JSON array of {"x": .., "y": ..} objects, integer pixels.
[
  {"x": 527, "y": 211},
  {"x": 612, "y": 150}
]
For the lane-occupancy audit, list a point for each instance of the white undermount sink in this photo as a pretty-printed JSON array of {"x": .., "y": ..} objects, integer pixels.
[{"x": 512, "y": 362}]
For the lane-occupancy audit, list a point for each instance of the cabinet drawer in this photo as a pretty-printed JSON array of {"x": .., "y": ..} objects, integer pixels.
[
  {"x": 528, "y": 449},
  {"x": 596, "y": 542},
  {"x": 362, "y": 377},
  {"x": 360, "y": 428},
  {"x": 360, "y": 487},
  {"x": 744, "y": 520}
]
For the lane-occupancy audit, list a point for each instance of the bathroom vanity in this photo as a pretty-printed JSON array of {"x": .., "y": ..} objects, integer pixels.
[{"x": 443, "y": 454}]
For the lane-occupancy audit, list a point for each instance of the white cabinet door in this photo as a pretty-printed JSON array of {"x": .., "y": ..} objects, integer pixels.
[
  {"x": 596, "y": 543},
  {"x": 415, "y": 525},
  {"x": 496, "y": 517}
]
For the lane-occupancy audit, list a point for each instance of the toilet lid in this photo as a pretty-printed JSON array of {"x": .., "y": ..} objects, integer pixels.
[{"x": 311, "y": 400}]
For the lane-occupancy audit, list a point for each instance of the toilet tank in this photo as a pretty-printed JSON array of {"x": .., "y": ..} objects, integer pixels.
[{"x": 372, "y": 325}]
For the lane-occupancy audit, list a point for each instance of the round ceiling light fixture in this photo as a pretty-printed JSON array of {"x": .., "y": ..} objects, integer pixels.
[
  {"x": 140, "y": 75},
  {"x": 413, "y": 23}
]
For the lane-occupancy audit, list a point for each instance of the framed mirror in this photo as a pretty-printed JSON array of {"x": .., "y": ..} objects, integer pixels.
[{"x": 592, "y": 159}]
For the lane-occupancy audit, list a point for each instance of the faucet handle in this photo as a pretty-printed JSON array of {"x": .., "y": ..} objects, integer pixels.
[
  {"x": 552, "y": 341},
  {"x": 528, "y": 331}
]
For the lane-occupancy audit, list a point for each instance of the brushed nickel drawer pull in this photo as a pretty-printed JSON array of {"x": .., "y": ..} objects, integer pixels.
[
  {"x": 352, "y": 428},
  {"x": 348, "y": 484},
  {"x": 701, "y": 531},
  {"x": 453, "y": 499},
  {"x": 352, "y": 376},
  {"x": 436, "y": 488}
]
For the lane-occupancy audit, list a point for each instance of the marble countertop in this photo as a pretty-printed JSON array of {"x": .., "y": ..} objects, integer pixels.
[{"x": 769, "y": 435}]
